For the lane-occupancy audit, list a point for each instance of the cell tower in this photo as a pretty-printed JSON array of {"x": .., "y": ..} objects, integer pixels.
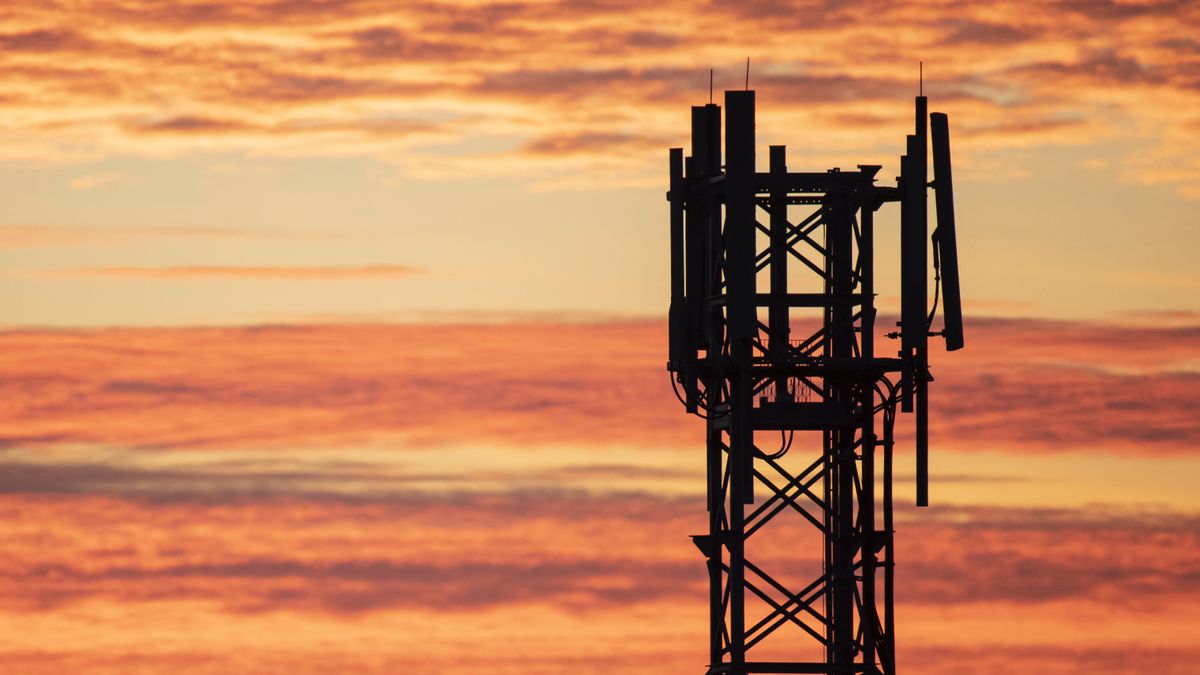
[{"x": 735, "y": 362}]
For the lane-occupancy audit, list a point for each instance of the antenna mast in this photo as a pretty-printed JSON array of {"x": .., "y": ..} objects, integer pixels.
[{"x": 736, "y": 299}]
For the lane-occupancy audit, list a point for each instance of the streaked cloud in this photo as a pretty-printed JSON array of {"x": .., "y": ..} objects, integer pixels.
[
  {"x": 95, "y": 180},
  {"x": 316, "y": 273},
  {"x": 1024, "y": 385},
  {"x": 586, "y": 564},
  {"x": 589, "y": 143},
  {"x": 34, "y": 236},
  {"x": 353, "y": 77},
  {"x": 188, "y": 124},
  {"x": 256, "y": 555},
  {"x": 1122, "y": 574},
  {"x": 217, "y": 477},
  {"x": 947, "y": 659}
]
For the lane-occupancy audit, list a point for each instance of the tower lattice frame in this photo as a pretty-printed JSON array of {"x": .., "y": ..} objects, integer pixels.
[{"x": 736, "y": 363}]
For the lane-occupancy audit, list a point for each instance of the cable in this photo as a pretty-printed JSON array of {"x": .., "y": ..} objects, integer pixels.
[
  {"x": 785, "y": 444},
  {"x": 675, "y": 388},
  {"x": 937, "y": 282}
]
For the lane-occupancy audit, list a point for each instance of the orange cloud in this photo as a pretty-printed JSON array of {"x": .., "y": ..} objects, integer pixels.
[
  {"x": 1037, "y": 386},
  {"x": 611, "y": 568},
  {"x": 247, "y": 272},
  {"x": 357, "y": 77},
  {"x": 29, "y": 236},
  {"x": 454, "y": 551},
  {"x": 97, "y": 180},
  {"x": 590, "y": 143}
]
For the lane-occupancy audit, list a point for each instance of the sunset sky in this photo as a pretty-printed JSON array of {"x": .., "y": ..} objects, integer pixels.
[{"x": 333, "y": 330}]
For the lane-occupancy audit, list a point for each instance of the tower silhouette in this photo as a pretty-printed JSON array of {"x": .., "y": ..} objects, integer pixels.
[{"x": 736, "y": 363}]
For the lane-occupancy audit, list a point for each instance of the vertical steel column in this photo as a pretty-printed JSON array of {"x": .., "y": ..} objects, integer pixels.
[
  {"x": 714, "y": 326},
  {"x": 911, "y": 277},
  {"x": 889, "y": 550},
  {"x": 779, "y": 317},
  {"x": 703, "y": 276},
  {"x": 919, "y": 246},
  {"x": 840, "y": 262},
  {"x": 743, "y": 326},
  {"x": 866, "y": 506}
]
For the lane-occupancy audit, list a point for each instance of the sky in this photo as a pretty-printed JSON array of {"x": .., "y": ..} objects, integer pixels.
[{"x": 333, "y": 331}]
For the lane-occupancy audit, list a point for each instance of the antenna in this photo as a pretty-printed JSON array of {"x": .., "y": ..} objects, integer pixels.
[
  {"x": 944, "y": 239},
  {"x": 710, "y": 85},
  {"x": 920, "y": 78},
  {"x": 747, "y": 73}
]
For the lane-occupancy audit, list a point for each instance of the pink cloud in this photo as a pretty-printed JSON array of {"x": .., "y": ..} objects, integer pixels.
[
  {"x": 1021, "y": 385},
  {"x": 514, "y": 566},
  {"x": 1016, "y": 77},
  {"x": 457, "y": 552}
]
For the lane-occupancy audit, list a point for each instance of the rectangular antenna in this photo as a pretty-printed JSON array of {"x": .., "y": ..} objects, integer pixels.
[
  {"x": 677, "y": 314},
  {"x": 947, "y": 240}
]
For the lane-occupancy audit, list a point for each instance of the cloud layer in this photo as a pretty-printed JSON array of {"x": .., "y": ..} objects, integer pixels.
[
  {"x": 324, "y": 272},
  {"x": 596, "y": 568},
  {"x": 1024, "y": 385},
  {"x": 178, "y": 496},
  {"x": 566, "y": 86}
]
